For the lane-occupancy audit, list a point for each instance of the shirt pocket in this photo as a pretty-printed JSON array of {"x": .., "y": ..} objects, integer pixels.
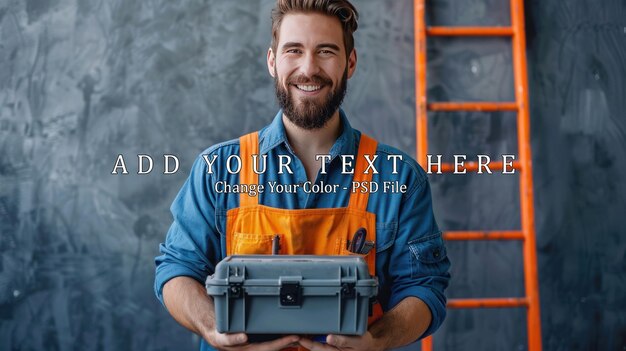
[
  {"x": 427, "y": 256},
  {"x": 254, "y": 244},
  {"x": 385, "y": 235}
]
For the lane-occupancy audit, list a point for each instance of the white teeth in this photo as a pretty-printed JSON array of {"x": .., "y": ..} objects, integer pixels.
[{"x": 309, "y": 87}]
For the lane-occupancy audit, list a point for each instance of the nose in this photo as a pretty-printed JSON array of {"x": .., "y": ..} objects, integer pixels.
[{"x": 309, "y": 66}]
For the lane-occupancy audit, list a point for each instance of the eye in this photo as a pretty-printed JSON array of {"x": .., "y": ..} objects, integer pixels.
[
  {"x": 326, "y": 52},
  {"x": 293, "y": 51}
]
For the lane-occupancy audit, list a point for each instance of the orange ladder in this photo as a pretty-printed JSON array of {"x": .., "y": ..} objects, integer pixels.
[{"x": 527, "y": 234}]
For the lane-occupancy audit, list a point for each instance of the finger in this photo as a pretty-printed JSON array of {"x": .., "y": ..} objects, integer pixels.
[
  {"x": 315, "y": 346},
  {"x": 277, "y": 344},
  {"x": 341, "y": 341},
  {"x": 230, "y": 339}
]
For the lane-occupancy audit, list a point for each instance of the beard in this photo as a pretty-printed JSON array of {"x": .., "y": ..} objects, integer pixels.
[{"x": 309, "y": 113}]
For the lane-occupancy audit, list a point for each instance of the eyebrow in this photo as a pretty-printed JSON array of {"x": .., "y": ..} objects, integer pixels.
[{"x": 293, "y": 44}]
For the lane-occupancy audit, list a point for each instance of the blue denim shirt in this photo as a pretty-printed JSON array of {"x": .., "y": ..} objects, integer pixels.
[{"x": 411, "y": 257}]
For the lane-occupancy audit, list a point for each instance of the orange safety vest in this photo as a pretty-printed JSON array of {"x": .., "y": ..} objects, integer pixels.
[{"x": 319, "y": 231}]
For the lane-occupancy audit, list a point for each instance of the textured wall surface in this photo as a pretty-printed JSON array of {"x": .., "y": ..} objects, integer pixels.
[{"x": 84, "y": 81}]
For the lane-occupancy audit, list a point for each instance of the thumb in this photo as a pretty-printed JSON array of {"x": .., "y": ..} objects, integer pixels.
[
  {"x": 230, "y": 339},
  {"x": 338, "y": 341}
]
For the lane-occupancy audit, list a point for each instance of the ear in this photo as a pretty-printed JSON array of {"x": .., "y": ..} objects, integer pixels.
[
  {"x": 271, "y": 61},
  {"x": 351, "y": 63}
]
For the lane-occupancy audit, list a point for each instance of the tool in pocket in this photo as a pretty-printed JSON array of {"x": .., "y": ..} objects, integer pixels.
[{"x": 358, "y": 244}]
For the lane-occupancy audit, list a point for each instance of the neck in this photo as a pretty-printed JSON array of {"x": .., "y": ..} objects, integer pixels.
[
  {"x": 308, "y": 143},
  {"x": 317, "y": 141}
]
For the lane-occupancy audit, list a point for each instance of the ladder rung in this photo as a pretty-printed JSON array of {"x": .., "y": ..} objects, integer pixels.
[
  {"x": 484, "y": 235},
  {"x": 472, "y": 166},
  {"x": 472, "y": 106},
  {"x": 488, "y": 303},
  {"x": 469, "y": 31}
]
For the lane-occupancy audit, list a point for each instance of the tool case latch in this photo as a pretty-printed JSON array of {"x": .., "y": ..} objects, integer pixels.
[
  {"x": 348, "y": 290},
  {"x": 235, "y": 284},
  {"x": 290, "y": 292},
  {"x": 235, "y": 290}
]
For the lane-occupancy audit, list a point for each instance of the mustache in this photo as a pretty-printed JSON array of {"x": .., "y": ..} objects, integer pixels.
[{"x": 316, "y": 79}]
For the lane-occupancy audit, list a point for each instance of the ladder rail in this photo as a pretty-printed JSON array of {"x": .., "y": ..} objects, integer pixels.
[
  {"x": 531, "y": 281},
  {"x": 420, "y": 81}
]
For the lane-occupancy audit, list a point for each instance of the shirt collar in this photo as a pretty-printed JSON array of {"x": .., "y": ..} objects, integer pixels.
[{"x": 274, "y": 134}]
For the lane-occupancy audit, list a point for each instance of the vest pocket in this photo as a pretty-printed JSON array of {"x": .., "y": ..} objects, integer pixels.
[
  {"x": 342, "y": 249},
  {"x": 254, "y": 244}
]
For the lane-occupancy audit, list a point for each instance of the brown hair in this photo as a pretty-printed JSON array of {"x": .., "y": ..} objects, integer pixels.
[{"x": 342, "y": 9}]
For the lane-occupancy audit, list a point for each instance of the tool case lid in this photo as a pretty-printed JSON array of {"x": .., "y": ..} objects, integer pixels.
[{"x": 317, "y": 275}]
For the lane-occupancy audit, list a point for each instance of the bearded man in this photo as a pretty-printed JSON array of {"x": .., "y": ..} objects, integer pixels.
[{"x": 311, "y": 58}]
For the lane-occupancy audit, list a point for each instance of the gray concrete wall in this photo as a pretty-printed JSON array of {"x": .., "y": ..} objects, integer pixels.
[{"x": 84, "y": 81}]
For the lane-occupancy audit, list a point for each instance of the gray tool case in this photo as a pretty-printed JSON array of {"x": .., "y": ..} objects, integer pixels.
[{"x": 263, "y": 294}]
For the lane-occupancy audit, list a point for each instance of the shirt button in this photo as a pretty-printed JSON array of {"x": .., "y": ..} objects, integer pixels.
[{"x": 436, "y": 254}]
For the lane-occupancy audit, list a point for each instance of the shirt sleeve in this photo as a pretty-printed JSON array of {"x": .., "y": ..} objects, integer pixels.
[
  {"x": 192, "y": 239},
  {"x": 419, "y": 264}
]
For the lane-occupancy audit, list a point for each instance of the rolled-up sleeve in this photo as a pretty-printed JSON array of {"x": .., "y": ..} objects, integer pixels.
[
  {"x": 192, "y": 245},
  {"x": 419, "y": 265}
]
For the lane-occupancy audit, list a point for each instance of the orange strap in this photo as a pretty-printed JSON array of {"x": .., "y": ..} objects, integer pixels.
[
  {"x": 249, "y": 145},
  {"x": 367, "y": 146}
]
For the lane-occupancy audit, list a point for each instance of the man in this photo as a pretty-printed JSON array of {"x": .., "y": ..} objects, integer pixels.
[{"x": 311, "y": 58}]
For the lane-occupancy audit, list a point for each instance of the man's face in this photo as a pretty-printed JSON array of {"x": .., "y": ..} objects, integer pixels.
[{"x": 310, "y": 68}]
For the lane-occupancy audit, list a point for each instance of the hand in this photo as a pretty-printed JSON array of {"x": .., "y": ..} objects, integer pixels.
[
  {"x": 364, "y": 342},
  {"x": 239, "y": 342}
]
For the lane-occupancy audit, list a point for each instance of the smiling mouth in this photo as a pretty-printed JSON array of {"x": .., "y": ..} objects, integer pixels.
[{"x": 308, "y": 88}]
